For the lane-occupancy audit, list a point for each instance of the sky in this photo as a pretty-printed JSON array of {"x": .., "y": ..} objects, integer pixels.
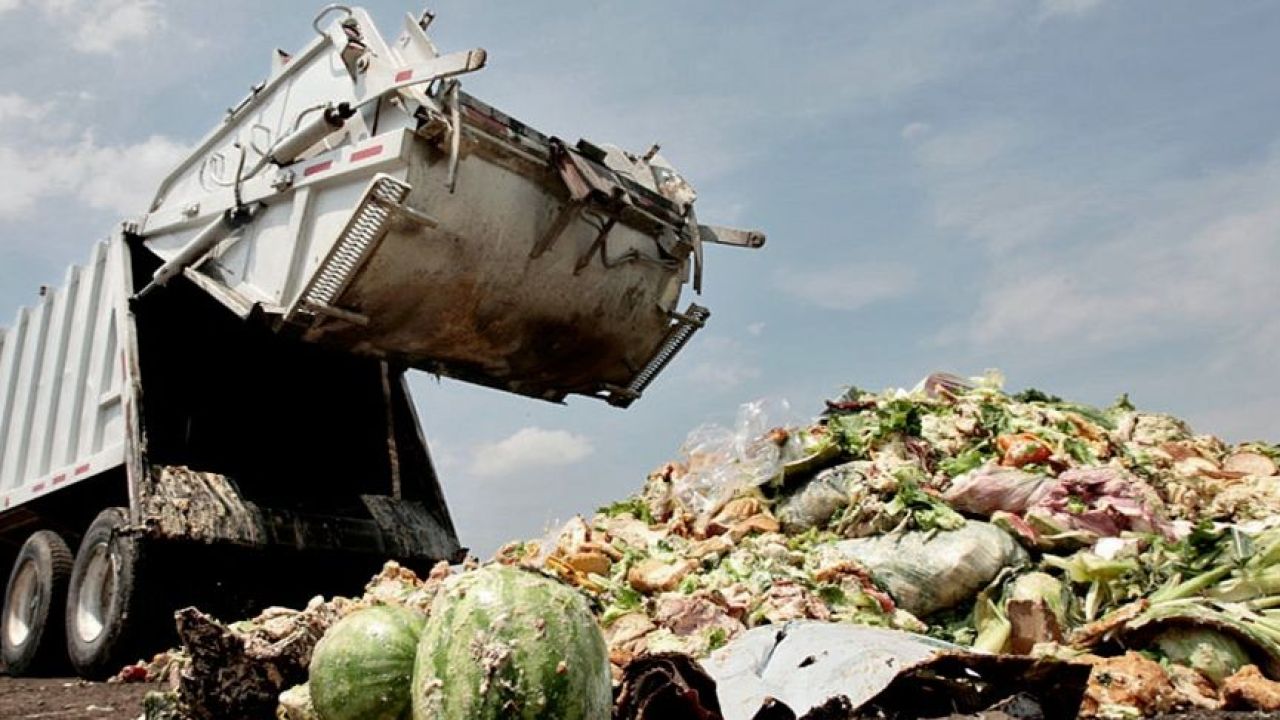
[{"x": 1084, "y": 194}]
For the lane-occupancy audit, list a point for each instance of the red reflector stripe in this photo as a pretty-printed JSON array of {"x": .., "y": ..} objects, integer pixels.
[
  {"x": 317, "y": 168},
  {"x": 59, "y": 478},
  {"x": 403, "y": 75},
  {"x": 38, "y": 487},
  {"x": 366, "y": 153},
  {"x": 82, "y": 469}
]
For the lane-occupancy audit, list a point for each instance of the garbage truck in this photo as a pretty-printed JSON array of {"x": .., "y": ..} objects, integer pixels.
[{"x": 224, "y": 379}]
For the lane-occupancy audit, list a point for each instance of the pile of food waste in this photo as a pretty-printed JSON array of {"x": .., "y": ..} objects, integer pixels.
[{"x": 1113, "y": 553}]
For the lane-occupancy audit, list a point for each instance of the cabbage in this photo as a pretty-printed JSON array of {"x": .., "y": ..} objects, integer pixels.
[
  {"x": 1039, "y": 587},
  {"x": 1214, "y": 654}
]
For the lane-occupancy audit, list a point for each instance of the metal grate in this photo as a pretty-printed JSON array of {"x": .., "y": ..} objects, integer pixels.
[{"x": 362, "y": 233}]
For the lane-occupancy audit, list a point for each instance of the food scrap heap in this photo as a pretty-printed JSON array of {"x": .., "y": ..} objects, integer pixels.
[{"x": 1012, "y": 524}]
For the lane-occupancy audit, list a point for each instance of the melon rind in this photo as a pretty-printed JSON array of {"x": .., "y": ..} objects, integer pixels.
[
  {"x": 502, "y": 642},
  {"x": 362, "y": 668}
]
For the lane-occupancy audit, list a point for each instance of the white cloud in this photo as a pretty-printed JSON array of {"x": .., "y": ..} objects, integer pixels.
[
  {"x": 47, "y": 155},
  {"x": 756, "y": 329},
  {"x": 967, "y": 148},
  {"x": 529, "y": 448},
  {"x": 1055, "y": 8},
  {"x": 849, "y": 286},
  {"x": 980, "y": 188},
  {"x": 18, "y": 108},
  {"x": 725, "y": 374},
  {"x": 1081, "y": 261},
  {"x": 717, "y": 363},
  {"x": 116, "y": 178},
  {"x": 123, "y": 178},
  {"x": 110, "y": 24},
  {"x": 915, "y": 131},
  {"x": 99, "y": 26}
]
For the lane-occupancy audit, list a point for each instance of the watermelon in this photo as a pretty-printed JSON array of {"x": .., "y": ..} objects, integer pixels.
[
  {"x": 503, "y": 642},
  {"x": 362, "y": 667}
]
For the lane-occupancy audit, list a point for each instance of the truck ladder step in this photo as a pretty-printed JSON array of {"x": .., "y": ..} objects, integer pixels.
[{"x": 359, "y": 238}]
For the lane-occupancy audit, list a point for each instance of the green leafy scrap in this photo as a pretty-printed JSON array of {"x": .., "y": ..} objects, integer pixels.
[
  {"x": 964, "y": 462},
  {"x": 634, "y": 506},
  {"x": 1031, "y": 395},
  {"x": 918, "y": 508}
]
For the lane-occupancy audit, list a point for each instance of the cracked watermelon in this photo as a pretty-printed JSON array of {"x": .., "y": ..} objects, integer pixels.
[
  {"x": 361, "y": 669},
  {"x": 502, "y": 642}
]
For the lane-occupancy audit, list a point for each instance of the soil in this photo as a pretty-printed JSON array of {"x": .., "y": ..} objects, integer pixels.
[
  {"x": 70, "y": 699},
  {"x": 74, "y": 699},
  {"x": 1217, "y": 715}
]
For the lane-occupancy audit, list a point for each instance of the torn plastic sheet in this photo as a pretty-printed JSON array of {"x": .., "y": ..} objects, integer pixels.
[{"x": 825, "y": 670}]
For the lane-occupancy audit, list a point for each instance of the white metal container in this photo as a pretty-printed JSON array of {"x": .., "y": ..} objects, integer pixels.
[{"x": 62, "y": 399}]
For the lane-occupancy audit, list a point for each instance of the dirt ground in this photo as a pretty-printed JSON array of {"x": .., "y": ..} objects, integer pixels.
[
  {"x": 73, "y": 699},
  {"x": 70, "y": 699},
  {"x": 1210, "y": 715}
]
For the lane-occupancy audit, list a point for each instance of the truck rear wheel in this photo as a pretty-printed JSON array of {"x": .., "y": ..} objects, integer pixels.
[
  {"x": 105, "y": 614},
  {"x": 31, "y": 628}
]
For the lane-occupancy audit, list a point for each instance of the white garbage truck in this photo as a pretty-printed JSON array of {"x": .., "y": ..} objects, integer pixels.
[{"x": 224, "y": 380}]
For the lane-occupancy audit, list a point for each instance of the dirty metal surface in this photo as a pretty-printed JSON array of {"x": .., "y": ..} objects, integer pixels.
[
  {"x": 188, "y": 505},
  {"x": 466, "y": 299}
]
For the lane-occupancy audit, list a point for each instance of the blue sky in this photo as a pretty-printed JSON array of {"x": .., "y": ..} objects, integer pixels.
[{"x": 1082, "y": 193}]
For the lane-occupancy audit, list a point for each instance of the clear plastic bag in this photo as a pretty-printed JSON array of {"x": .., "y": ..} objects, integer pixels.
[
  {"x": 817, "y": 501},
  {"x": 720, "y": 461},
  {"x": 930, "y": 571}
]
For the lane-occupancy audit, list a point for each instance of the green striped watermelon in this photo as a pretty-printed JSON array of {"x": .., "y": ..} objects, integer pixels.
[
  {"x": 361, "y": 669},
  {"x": 502, "y": 642}
]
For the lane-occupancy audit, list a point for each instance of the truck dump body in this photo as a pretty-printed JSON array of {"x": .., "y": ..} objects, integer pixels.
[
  {"x": 422, "y": 226},
  {"x": 256, "y": 439}
]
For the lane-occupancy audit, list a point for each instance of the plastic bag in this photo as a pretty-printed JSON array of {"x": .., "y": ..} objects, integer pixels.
[
  {"x": 817, "y": 501},
  {"x": 720, "y": 461},
  {"x": 929, "y": 571},
  {"x": 1100, "y": 501},
  {"x": 991, "y": 487}
]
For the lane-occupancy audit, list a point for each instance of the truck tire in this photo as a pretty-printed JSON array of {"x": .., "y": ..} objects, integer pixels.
[
  {"x": 31, "y": 631},
  {"x": 106, "y": 617}
]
